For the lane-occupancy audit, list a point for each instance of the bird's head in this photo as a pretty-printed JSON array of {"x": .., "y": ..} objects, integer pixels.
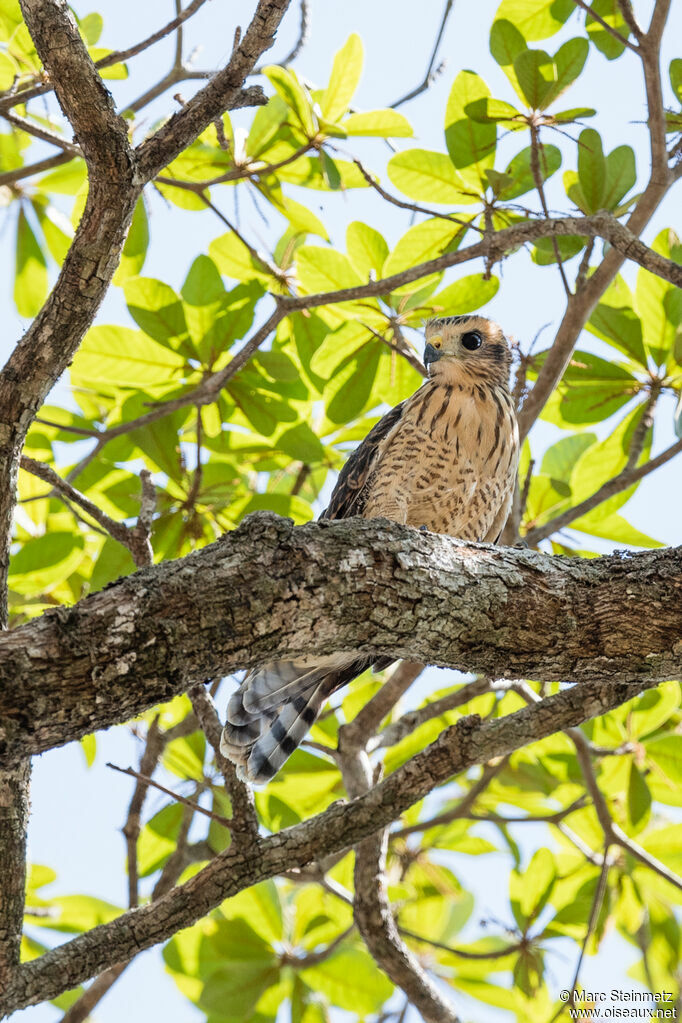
[{"x": 467, "y": 345}]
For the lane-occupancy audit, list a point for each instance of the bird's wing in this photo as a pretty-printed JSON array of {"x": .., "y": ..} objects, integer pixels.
[{"x": 350, "y": 493}]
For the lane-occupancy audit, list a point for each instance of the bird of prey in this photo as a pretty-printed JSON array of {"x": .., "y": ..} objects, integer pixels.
[{"x": 444, "y": 459}]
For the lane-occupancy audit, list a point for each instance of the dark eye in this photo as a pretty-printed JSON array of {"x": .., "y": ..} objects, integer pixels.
[{"x": 471, "y": 340}]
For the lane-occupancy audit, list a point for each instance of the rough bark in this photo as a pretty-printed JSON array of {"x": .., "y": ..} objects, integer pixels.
[
  {"x": 14, "y": 807},
  {"x": 264, "y": 591}
]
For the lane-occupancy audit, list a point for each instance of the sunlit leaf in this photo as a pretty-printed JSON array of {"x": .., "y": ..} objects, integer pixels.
[{"x": 344, "y": 79}]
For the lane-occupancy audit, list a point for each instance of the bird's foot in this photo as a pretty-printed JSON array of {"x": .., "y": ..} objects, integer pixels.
[
  {"x": 423, "y": 529},
  {"x": 521, "y": 545}
]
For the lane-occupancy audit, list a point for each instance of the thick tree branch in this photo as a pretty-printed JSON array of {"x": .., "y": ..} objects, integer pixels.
[
  {"x": 340, "y": 827},
  {"x": 397, "y": 592}
]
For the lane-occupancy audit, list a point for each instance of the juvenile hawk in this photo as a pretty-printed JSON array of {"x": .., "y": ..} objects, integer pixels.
[{"x": 444, "y": 459}]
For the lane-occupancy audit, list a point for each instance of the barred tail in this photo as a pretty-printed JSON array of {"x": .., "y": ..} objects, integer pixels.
[{"x": 275, "y": 706}]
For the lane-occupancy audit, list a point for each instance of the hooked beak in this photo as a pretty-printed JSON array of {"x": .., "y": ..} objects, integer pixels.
[{"x": 431, "y": 354}]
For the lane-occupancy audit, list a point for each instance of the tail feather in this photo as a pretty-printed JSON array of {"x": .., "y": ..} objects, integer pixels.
[
  {"x": 275, "y": 706},
  {"x": 286, "y": 732},
  {"x": 275, "y": 683}
]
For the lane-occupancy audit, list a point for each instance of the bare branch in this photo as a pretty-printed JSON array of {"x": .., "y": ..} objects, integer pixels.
[
  {"x": 430, "y": 75},
  {"x": 43, "y": 134},
  {"x": 131, "y": 829},
  {"x": 19, "y": 173},
  {"x": 605, "y": 25},
  {"x": 136, "y": 539},
  {"x": 220, "y": 94},
  {"x": 463, "y": 808},
  {"x": 409, "y": 722},
  {"x": 367, "y": 721},
  {"x": 244, "y": 823},
  {"x": 340, "y": 827}
]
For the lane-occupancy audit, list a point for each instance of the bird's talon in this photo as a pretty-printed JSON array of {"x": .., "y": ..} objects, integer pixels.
[{"x": 423, "y": 529}]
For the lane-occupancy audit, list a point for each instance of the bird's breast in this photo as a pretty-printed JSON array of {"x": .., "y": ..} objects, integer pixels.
[{"x": 451, "y": 463}]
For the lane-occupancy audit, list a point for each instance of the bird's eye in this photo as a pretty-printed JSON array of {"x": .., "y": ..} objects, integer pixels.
[{"x": 471, "y": 340}]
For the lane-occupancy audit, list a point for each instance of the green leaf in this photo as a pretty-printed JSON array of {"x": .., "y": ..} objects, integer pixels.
[
  {"x": 113, "y": 562},
  {"x": 91, "y": 27},
  {"x": 89, "y": 747},
  {"x": 350, "y": 980},
  {"x": 234, "y": 260},
  {"x": 638, "y": 800},
  {"x": 530, "y": 891},
  {"x": 184, "y": 757},
  {"x": 344, "y": 79},
  {"x": 605, "y": 42},
  {"x": 383, "y": 124},
  {"x": 560, "y": 460},
  {"x": 615, "y": 528},
  {"x": 535, "y": 73},
  {"x": 652, "y": 709},
  {"x": 591, "y": 169},
  {"x": 157, "y": 309},
  {"x": 261, "y": 906},
  {"x": 350, "y": 388},
  {"x": 591, "y": 390},
  {"x": 55, "y": 227},
  {"x": 158, "y": 838},
  {"x": 520, "y": 173},
  {"x": 114, "y": 72},
  {"x": 367, "y": 249},
  {"x": 659, "y": 303},
  {"x": 621, "y": 175},
  {"x": 420, "y": 244},
  {"x": 302, "y": 444},
  {"x": 67, "y": 180},
  {"x": 74, "y": 914},
  {"x": 330, "y": 171},
  {"x": 117, "y": 357},
  {"x": 506, "y": 44},
  {"x": 287, "y": 505},
  {"x": 266, "y": 124},
  {"x": 294, "y": 94},
  {"x": 471, "y": 145},
  {"x": 136, "y": 245},
  {"x": 465, "y": 295},
  {"x": 321, "y": 270},
  {"x": 615, "y": 321},
  {"x": 428, "y": 176},
  {"x": 30, "y": 281},
  {"x": 536, "y": 19},
  {"x": 666, "y": 753},
  {"x": 569, "y": 61},
  {"x": 45, "y": 561},
  {"x": 675, "y": 72}
]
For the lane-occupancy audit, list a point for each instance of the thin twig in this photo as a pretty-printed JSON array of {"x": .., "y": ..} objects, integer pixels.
[
  {"x": 430, "y": 75},
  {"x": 463, "y": 808},
  {"x": 463, "y": 953},
  {"x": 413, "y": 207},
  {"x": 605, "y": 25},
  {"x": 174, "y": 795}
]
